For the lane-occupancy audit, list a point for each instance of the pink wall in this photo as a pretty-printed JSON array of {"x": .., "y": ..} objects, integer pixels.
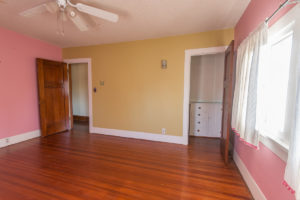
[
  {"x": 256, "y": 12},
  {"x": 266, "y": 168},
  {"x": 18, "y": 85}
]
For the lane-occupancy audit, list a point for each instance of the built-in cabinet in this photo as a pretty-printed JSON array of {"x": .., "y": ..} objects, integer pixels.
[
  {"x": 205, "y": 119},
  {"x": 207, "y": 73}
]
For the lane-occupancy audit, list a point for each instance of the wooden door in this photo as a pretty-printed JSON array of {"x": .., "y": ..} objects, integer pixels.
[
  {"x": 53, "y": 90},
  {"x": 227, "y": 101}
]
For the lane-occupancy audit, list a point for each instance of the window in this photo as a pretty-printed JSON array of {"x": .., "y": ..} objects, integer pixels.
[{"x": 273, "y": 87}]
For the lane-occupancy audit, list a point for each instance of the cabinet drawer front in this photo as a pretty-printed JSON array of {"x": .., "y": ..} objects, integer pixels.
[
  {"x": 198, "y": 129},
  {"x": 198, "y": 117},
  {"x": 199, "y": 120},
  {"x": 199, "y": 107}
]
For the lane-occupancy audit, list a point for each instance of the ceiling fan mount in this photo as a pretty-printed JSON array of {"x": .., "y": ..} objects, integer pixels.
[
  {"x": 73, "y": 13},
  {"x": 62, "y": 3}
]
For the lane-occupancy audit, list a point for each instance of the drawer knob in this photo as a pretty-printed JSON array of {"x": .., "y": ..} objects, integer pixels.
[
  {"x": 198, "y": 114},
  {"x": 199, "y": 107},
  {"x": 198, "y": 122},
  {"x": 198, "y": 130}
]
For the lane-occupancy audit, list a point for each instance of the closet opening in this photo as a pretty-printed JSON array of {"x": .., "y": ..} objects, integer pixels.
[
  {"x": 208, "y": 92},
  {"x": 206, "y": 95}
]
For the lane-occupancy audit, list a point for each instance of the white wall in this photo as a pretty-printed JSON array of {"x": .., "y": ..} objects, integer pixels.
[
  {"x": 80, "y": 98},
  {"x": 207, "y": 74}
]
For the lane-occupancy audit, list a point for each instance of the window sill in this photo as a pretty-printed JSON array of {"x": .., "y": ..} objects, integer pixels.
[{"x": 280, "y": 149}]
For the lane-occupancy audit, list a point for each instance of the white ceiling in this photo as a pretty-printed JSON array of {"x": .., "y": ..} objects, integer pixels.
[{"x": 139, "y": 19}]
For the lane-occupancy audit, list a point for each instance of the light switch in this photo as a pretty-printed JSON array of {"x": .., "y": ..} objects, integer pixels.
[{"x": 102, "y": 83}]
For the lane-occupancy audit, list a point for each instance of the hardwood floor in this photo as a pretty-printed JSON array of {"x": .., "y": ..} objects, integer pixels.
[{"x": 86, "y": 166}]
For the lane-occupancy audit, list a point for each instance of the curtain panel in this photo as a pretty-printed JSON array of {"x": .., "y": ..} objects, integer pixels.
[
  {"x": 292, "y": 170},
  {"x": 245, "y": 94}
]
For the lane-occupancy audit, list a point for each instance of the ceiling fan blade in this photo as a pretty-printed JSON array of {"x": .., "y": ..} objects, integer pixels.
[
  {"x": 97, "y": 12},
  {"x": 60, "y": 22},
  {"x": 39, "y": 9},
  {"x": 52, "y": 7},
  {"x": 79, "y": 21},
  {"x": 34, "y": 11}
]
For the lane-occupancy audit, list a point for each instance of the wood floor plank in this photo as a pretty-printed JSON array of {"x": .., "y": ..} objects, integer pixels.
[{"x": 78, "y": 165}]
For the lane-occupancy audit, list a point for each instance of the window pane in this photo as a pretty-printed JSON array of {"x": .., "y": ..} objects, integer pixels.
[{"x": 276, "y": 86}]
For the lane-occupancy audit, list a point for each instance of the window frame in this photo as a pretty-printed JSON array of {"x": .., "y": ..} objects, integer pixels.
[
  {"x": 275, "y": 38},
  {"x": 280, "y": 29}
]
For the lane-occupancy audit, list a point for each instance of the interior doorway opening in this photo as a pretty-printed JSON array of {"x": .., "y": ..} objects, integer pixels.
[
  {"x": 204, "y": 103},
  {"x": 206, "y": 95},
  {"x": 80, "y": 84},
  {"x": 79, "y": 93}
]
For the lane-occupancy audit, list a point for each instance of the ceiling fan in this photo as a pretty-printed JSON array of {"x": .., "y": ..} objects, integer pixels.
[{"x": 65, "y": 9}]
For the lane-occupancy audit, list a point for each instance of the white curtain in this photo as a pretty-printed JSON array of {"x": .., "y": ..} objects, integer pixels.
[
  {"x": 245, "y": 93},
  {"x": 292, "y": 171}
]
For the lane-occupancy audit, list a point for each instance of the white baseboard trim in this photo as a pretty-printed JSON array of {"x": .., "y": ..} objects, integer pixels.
[
  {"x": 253, "y": 187},
  {"x": 19, "y": 138},
  {"x": 140, "y": 135}
]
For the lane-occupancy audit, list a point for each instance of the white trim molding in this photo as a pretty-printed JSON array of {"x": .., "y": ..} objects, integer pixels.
[
  {"x": 140, "y": 135},
  {"x": 90, "y": 92},
  {"x": 187, "y": 75},
  {"x": 275, "y": 146},
  {"x": 253, "y": 187},
  {"x": 19, "y": 138}
]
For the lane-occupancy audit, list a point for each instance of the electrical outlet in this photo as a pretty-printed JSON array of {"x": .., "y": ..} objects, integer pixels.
[{"x": 163, "y": 131}]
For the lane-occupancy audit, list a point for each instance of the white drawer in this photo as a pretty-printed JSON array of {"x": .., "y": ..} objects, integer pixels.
[
  {"x": 199, "y": 130},
  {"x": 199, "y": 107}
]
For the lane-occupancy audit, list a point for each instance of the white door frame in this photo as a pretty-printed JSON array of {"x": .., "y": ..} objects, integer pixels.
[
  {"x": 187, "y": 76},
  {"x": 89, "y": 62}
]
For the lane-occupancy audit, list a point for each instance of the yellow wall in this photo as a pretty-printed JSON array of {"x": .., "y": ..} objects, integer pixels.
[{"x": 138, "y": 95}]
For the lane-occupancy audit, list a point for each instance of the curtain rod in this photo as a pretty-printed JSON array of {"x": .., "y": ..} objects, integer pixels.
[{"x": 287, "y": 2}]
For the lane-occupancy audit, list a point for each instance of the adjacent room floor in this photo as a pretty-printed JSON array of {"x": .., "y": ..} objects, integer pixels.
[{"x": 78, "y": 165}]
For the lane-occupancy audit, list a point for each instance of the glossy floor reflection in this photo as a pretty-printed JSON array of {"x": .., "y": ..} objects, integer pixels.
[{"x": 79, "y": 165}]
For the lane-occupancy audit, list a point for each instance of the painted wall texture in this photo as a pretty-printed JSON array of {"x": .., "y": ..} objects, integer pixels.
[
  {"x": 18, "y": 81},
  {"x": 138, "y": 95},
  {"x": 266, "y": 168}
]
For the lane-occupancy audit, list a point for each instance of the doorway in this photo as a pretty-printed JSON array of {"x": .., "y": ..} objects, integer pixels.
[
  {"x": 206, "y": 106},
  {"x": 206, "y": 94},
  {"x": 187, "y": 83},
  {"x": 80, "y": 93}
]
